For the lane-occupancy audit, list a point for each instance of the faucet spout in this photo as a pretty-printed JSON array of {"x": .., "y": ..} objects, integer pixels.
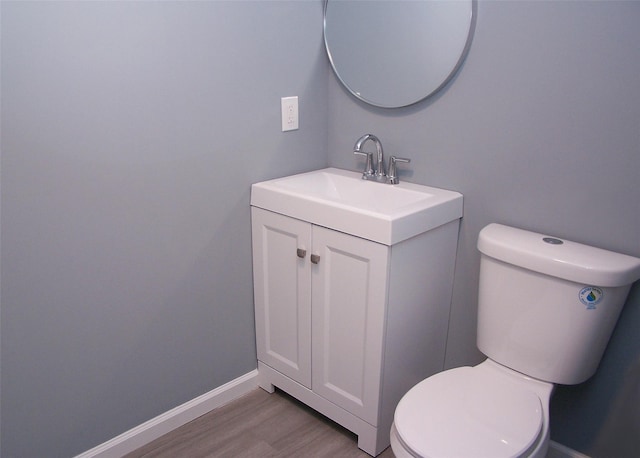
[{"x": 380, "y": 174}]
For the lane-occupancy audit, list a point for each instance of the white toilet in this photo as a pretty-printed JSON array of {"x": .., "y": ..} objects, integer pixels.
[{"x": 546, "y": 310}]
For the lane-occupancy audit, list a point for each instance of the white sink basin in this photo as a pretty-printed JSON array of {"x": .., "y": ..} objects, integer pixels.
[{"x": 342, "y": 200}]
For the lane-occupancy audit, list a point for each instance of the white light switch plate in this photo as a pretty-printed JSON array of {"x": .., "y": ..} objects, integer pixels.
[{"x": 289, "y": 113}]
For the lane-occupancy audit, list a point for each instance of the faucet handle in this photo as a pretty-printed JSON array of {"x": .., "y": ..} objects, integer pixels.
[
  {"x": 392, "y": 176},
  {"x": 368, "y": 169}
]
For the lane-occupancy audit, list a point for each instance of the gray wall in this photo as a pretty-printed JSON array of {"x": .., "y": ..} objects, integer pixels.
[
  {"x": 131, "y": 132},
  {"x": 539, "y": 130}
]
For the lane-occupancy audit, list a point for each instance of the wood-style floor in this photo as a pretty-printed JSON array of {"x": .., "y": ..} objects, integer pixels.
[{"x": 258, "y": 425}]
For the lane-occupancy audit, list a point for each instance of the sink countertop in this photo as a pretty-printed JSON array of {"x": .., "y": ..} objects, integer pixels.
[{"x": 341, "y": 200}]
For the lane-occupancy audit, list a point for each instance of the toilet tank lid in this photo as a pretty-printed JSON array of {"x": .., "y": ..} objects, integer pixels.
[{"x": 557, "y": 257}]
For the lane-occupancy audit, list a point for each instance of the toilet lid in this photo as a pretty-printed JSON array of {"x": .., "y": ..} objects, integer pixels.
[{"x": 465, "y": 413}]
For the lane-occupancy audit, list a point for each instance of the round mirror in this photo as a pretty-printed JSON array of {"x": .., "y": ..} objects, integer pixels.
[{"x": 394, "y": 53}]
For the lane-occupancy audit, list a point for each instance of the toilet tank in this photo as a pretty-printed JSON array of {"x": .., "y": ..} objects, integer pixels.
[{"x": 547, "y": 307}]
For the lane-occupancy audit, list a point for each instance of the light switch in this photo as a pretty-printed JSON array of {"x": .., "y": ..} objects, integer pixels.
[{"x": 289, "y": 113}]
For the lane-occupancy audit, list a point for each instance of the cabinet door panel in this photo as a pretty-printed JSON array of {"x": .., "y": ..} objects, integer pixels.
[
  {"x": 282, "y": 291},
  {"x": 349, "y": 296}
]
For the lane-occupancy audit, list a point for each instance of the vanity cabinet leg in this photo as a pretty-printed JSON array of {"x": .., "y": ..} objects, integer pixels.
[{"x": 265, "y": 384}]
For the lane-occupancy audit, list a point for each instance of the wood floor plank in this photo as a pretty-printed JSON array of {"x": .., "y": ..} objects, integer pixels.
[{"x": 258, "y": 425}]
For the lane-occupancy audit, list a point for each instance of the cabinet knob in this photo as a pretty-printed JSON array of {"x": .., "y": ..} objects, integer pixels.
[
  {"x": 301, "y": 252},
  {"x": 315, "y": 258}
]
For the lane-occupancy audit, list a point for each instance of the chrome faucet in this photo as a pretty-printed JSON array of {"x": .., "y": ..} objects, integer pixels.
[
  {"x": 369, "y": 174},
  {"x": 379, "y": 175}
]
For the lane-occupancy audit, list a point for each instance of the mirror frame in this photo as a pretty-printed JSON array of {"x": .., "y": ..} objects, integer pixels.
[{"x": 445, "y": 81}]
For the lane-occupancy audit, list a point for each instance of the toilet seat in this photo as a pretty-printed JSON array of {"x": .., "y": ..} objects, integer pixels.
[{"x": 469, "y": 412}]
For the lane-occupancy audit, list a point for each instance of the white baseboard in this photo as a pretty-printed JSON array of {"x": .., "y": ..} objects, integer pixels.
[
  {"x": 560, "y": 451},
  {"x": 174, "y": 418}
]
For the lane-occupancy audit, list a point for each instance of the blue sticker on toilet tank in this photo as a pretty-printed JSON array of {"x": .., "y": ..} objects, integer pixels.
[{"x": 591, "y": 296}]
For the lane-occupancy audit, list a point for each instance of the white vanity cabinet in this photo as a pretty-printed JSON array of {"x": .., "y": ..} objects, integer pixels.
[
  {"x": 348, "y": 325},
  {"x": 320, "y": 300}
]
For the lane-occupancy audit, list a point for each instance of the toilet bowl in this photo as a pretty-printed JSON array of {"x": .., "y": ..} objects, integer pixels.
[
  {"x": 546, "y": 310},
  {"x": 473, "y": 412}
]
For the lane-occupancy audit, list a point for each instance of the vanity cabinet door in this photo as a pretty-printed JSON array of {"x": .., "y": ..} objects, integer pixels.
[
  {"x": 282, "y": 291},
  {"x": 349, "y": 294}
]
